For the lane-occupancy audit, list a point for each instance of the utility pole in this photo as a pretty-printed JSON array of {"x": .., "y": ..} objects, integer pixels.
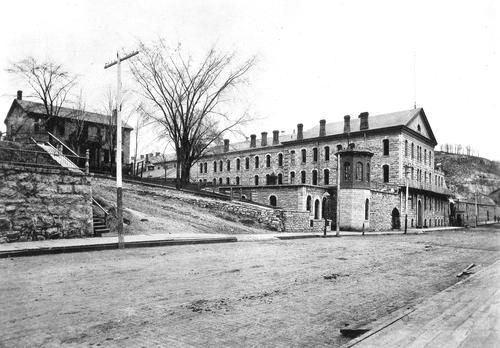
[
  {"x": 118, "y": 157},
  {"x": 406, "y": 199},
  {"x": 337, "y": 225}
]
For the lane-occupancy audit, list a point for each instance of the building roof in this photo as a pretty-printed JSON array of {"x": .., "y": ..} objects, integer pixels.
[
  {"x": 382, "y": 121},
  {"x": 38, "y": 108},
  {"x": 400, "y": 118}
]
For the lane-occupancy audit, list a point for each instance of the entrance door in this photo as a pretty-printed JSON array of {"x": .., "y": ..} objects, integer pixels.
[
  {"x": 396, "y": 221},
  {"x": 420, "y": 214}
]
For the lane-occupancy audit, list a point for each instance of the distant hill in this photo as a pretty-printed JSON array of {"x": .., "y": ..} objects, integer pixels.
[{"x": 466, "y": 175}]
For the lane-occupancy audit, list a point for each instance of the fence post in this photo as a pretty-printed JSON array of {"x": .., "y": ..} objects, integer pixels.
[{"x": 87, "y": 156}]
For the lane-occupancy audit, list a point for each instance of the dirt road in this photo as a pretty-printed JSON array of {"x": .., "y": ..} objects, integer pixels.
[{"x": 276, "y": 293}]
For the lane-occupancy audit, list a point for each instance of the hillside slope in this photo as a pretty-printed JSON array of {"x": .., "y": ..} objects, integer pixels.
[
  {"x": 149, "y": 210},
  {"x": 466, "y": 175}
]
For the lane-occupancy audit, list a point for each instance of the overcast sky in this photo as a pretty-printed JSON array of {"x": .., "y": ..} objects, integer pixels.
[{"x": 316, "y": 59}]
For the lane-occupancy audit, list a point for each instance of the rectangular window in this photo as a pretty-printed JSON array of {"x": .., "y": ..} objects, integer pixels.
[
  {"x": 327, "y": 153},
  {"x": 386, "y": 147}
]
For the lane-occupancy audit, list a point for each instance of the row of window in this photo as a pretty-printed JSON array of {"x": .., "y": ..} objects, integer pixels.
[
  {"x": 438, "y": 180},
  {"x": 428, "y": 203},
  {"x": 278, "y": 180},
  {"x": 359, "y": 172},
  {"x": 220, "y": 165},
  {"x": 425, "y": 159},
  {"x": 437, "y": 222}
]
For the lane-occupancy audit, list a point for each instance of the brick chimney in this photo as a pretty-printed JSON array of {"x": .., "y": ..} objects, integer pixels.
[
  {"x": 300, "y": 128},
  {"x": 276, "y": 137},
  {"x": 322, "y": 128},
  {"x": 263, "y": 139},
  {"x": 347, "y": 124},
  {"x": 253, "y": 140},
  {"x": 19, "y": 95},
  {"x": 226, "y": 145},
  {"x": 363, "y": 121}
]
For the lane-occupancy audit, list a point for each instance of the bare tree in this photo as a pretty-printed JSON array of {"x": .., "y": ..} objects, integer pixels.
[
  {"x": 187, "y": 99},
  {"x": 109, "y": 109},
  {"x": 77, "y": 124},
  {"x": 49, "y": 81}
]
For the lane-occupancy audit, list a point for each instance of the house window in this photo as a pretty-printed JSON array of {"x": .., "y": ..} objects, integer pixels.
[
  {"x": 308, "y": 203},
  {"x": 237, "y": 180},
  {"x": 304, "y": 155},
  {"x": 215, "y": 166},
  {"x": 412, "y": 151},
  {"x": 315, "y": 177},
  {"x": 359, "y": 171},
  {"x": 418, "y": 128},
  {"x": 205, "y": 167},
  {"x": 268, "y": 161},
  {"x": 406, "y": 148},
  {"x": 425, "y": 155},
  {"x": 247, "y": 163},
  {"x": 228, "y": 181},
  {"x": 228, "y": 165},
  {"x": 201, "y": 168},
  {"x": 303, "y": 177},
  {"x": 220, "y": 181},
  {"x": 292, "y": 178},
  {"x": 256, "y": 162},
  {"x": 256, "y": 180},
  {"x": 327, "y": 153},
  {"x": 280, "y": 160},
  {"x": 430, "y": 159},
  {"x": 326, "y": 177},
  {"x": 368, "y": 172},
  {"x": 367, "y": 209},
  {"x": 238, "y": 164},
  {"x": 347, "y": 171},
  {"x": 292, "y": 157},
  {"x": 273, "y": 201},
  {"x": 220, "y": 165},
  {"x": 315, "y": 154},
  {"x": 385, "y": 169},
  {"x": 412, "y": 172},
  {"x": 385, "y": 143},
  {"x": 280, "y": 179},
  {"x": 214, "y": 181}
]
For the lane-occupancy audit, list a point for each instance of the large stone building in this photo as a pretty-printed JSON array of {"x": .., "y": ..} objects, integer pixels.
[
  {"x": 379, "y": 157},
  {"x": 79, "y": 130}
]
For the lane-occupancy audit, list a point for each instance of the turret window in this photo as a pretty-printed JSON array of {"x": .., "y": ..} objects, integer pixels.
[{"x": 359, "y": 171}]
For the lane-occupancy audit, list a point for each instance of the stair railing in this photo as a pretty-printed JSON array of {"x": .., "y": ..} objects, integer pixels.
[
  {"x": 102, "y": 209},
  {"x": 63, "y": 144}
]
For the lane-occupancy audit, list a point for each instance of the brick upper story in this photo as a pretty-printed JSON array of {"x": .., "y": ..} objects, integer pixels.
[{"x": 402, "y": 142}]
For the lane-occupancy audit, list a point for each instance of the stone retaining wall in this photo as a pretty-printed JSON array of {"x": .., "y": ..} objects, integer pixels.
[{"x": 39, "y": 203}]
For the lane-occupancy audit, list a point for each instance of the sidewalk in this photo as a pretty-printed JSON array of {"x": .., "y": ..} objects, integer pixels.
[
  {"x": 57, "y": 246},
  {"x": 464, "y": 315}
]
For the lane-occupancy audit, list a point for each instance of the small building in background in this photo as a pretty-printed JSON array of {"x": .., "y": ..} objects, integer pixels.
[{"x": 28, "y": 121}]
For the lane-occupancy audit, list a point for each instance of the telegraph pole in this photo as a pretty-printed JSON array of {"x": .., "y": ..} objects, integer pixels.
[
  {"x": 118, "y": 157},
  {"x": 337, "y": 225},
  {"x": 406, "y": 200}
]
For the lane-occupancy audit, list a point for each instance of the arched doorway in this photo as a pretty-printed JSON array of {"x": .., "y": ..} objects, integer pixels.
[
  {"x": 420, "y": 214},
  {"x": 316, "y": 209},
  {"x": 396, "y": 221}
]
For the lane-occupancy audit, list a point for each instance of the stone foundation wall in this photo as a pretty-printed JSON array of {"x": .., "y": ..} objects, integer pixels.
[{"x": 39, "y": 203}]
